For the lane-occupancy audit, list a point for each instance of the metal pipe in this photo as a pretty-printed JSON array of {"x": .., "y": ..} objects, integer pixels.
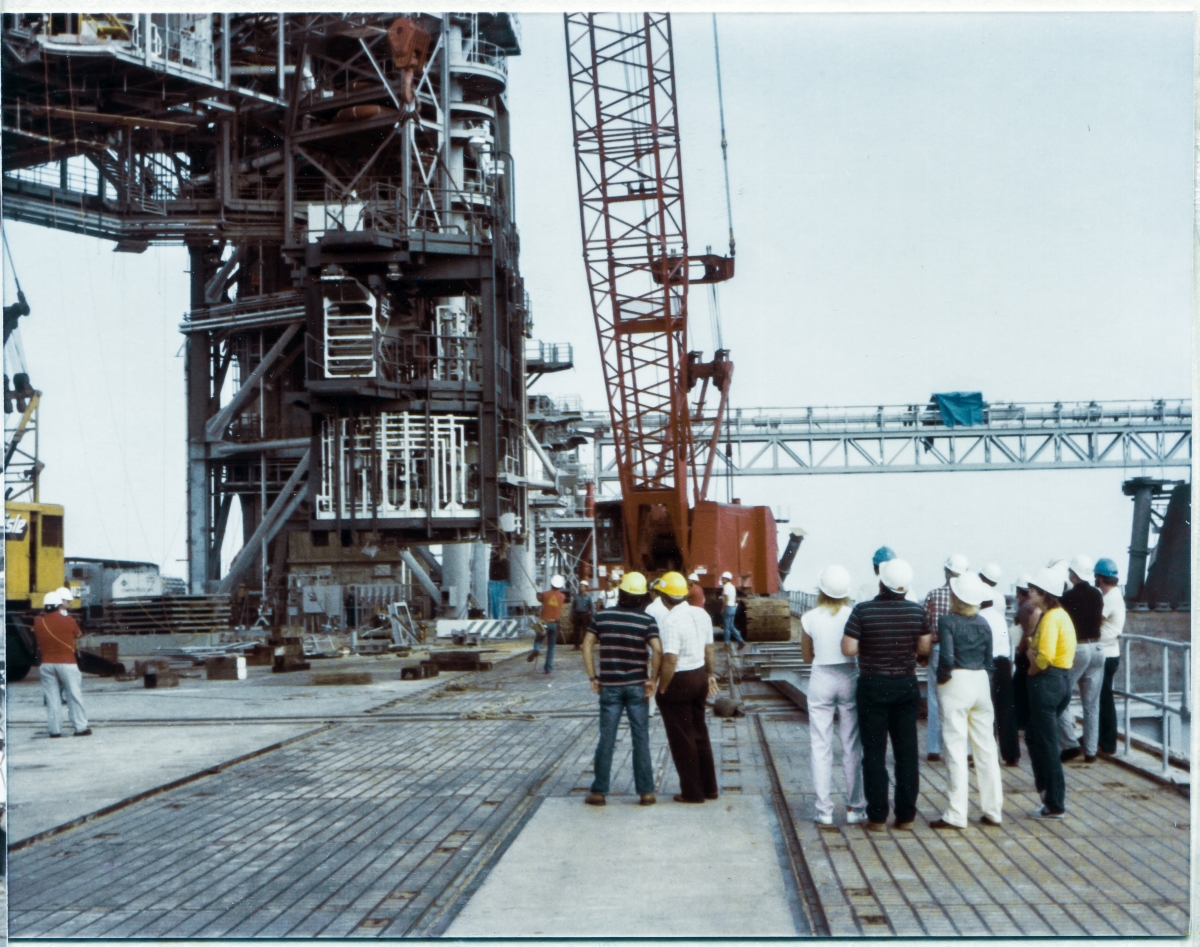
[
  {"x": 422, "y": 577},
  {"x": 1166, "y": 719}
]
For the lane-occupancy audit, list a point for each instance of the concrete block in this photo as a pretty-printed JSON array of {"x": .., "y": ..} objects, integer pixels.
[
  {"x": 156, "y": 679},
  {"x": 341, "y": 677},
  {"x": 225, "y": 667}
]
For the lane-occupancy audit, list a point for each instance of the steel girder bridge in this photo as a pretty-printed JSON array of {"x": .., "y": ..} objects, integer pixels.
[{"x": 914, "y": 438}]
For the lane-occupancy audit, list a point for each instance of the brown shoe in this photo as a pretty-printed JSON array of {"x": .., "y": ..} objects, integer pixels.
[
  {"x": 903, "y": 826},
  {"x": 941, "y": 824},
  {"x": 987, "y": 820},
  {"x": 875, "y": 826},
  {"x": 715, "y": 795},
  {"x": 1089, "y": 759},
  {"x": 934, "y": 757},
  {"x": 647, "y": 799},
  {"x": 595, "y": 799},
  {"x": 678, "y": 797}
]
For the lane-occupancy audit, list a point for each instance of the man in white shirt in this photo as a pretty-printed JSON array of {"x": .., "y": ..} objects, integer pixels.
[
  {"x": 1112, "y": 624},
  {"x": 614, "y": 589},
  {"x": 657, "y": 610},
  {"x": 1002, "y": 678},
  {"x": 687, "y": 680},
  {"x": 729, "y": 599}
]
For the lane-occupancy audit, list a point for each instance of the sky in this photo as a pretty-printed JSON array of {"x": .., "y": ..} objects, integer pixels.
[{"x": 922, "y": 202}]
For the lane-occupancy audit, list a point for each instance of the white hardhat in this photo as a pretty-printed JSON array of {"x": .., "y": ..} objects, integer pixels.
[
  {"x": 1023, "y": 582},
  {"x": 557, "y": 581},
  {"x": 65, "y": 594},
  {"x": 584, "y": 583},
  {"x": 1084, "y": 566},
  {"x": 969, "y": 589},
  {"x": 957, "y": 564},
  {"x": 834, "y": 581},
  {"x": 991, "y": 572},
  {"x": 726, "y": 575},
  {"x": 1050, "y": 580},
  {"x": 52, "y": 599},
  {"x": 896, "y": 574}
]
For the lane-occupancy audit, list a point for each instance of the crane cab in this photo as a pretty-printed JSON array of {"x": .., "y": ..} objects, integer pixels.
[{"x": 33, "y": 553}]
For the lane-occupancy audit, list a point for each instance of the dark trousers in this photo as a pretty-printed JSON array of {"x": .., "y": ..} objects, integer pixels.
[
  {"x": 682, "y": 709},
  {"x": 1020, "y": 691},
  {"x": 1108, "y": 708},
  {"x": 887, "y": 707},
  {"x": 581, "y": 622},
  {"x": 1006, "y": 718},
  {"x": 1049, "y": 695}
]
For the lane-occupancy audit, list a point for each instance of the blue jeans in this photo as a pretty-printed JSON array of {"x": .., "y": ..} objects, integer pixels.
[
  {"x": 496, "y": 604},
  {"x": 933, "y": 726},
  {"x": 730, "y": 613},
  {"x": 630, "y": 698},
  {"x": 551, "y": 641},
  {"x": 1049, "y": 695}
]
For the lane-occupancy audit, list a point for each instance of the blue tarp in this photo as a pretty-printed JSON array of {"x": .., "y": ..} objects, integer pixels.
[{"x": 960, "y": 407}]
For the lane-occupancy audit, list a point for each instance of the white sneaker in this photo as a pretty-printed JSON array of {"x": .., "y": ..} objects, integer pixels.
[
  {"x": 854, "y": 818},
  {"x": 824, "y": 820}
]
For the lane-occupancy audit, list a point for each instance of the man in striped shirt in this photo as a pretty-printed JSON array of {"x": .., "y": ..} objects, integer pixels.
[
  {"x": 887, "y": 634},
  {"x": 629, "y": 641}
]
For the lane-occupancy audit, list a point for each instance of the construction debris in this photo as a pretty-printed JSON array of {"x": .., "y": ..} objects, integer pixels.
[
  {"x": 166, "y": 615},
  {"x": 225, "y": 667}
]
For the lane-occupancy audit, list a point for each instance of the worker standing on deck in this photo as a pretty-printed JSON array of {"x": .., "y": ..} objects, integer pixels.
[
  {"x": 695, "y": 591},
  {"x": 887, "y": 634},
  {"x": 630, "y": 655},
  {"x": 965, "y": 698},
  {"x": 831, "y": 690},
  {"x": 1085, "y": 604},
  {"x": 612, "y": 593},
  {"x": 992, "y": 609},
  {"x": 1028, "y": 615},
  {"x": 552, "y": 603},
  {"x": 688, "y": 679},
  {"x": 729, "y": 597},
  {"x": 937, "y": 604},
  {"x": 1112, "y": 624},
  {"x": 57, "y": 633},
  {"x": 1051, "y": 654},
  {"x": 582, "y": 608},
  {"x": 657, "y": 610}
]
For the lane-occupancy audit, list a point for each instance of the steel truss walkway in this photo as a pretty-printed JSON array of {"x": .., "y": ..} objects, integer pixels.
[{"x": 766, "y": 442}]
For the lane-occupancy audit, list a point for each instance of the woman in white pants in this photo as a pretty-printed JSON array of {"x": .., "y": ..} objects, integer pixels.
[
  {"x": 965, "y": 695},
  {"x": 831, "y": 690}
]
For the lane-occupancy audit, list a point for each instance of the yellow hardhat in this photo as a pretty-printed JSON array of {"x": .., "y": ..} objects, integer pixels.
[
  {"x": 634, "y": 583},
  {"x": 656, "y": 585},
  {"x": 673, "y": 585}
]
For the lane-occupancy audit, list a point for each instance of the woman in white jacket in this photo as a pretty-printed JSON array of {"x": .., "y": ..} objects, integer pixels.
[{"x": 831, "y": 690}]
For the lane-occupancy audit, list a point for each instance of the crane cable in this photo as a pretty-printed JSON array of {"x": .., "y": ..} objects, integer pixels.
[{"x": 714, "y": 302}]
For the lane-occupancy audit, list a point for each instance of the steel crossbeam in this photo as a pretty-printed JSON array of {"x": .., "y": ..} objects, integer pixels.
[{"x": 913, "y": 438}]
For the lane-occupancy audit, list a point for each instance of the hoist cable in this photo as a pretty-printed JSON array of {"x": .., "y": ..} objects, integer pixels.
[{"x": 724, "y": 143}]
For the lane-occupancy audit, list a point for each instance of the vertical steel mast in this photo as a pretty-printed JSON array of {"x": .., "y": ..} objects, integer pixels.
[{"x": 635, "y": 250}]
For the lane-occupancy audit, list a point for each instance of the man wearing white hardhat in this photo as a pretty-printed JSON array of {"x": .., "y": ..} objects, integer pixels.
[
  {"x": 832, "y": 687},
  {"x": 1085, "y": 604},
  {"x": 57, "y": 633},
  {"x": 992, "y": 610},
  {"x": 729, "y": 601},
  {"x": 887, "y": 635},
  {"x": 965, "y": 699},
  {"x": 937, "y": 604},
  {"x": 552, "y": 605}
]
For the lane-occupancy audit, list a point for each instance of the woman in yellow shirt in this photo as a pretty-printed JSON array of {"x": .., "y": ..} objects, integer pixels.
[{"x": 1051, "y": 653}]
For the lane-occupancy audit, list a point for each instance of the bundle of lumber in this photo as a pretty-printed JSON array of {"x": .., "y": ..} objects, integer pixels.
[{"x": 164, "y": 615}]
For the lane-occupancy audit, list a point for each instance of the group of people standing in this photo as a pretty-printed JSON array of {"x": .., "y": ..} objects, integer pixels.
[{"x": 985, "y": 683}]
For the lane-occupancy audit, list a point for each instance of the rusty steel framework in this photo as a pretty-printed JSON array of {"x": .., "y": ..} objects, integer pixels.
[
  {"x": 343, "y": 184},
  {"x": 630, "y": 177}
]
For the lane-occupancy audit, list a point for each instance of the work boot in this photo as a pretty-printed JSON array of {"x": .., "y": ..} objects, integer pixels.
[
  {"x": 84, "y": 733},
  {"x": 647, "y": 799},
  {"x": 1089, "y": 759},
  {"x": 595, "y": 799},
  {"x": 531, "y": 657},
  {"x": 679, "y": 797}
]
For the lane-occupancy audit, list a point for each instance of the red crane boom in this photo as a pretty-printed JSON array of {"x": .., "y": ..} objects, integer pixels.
[{"x": 622, "y": 79}]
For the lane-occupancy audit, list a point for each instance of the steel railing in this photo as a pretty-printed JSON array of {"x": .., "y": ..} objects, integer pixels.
[{"x": 1163, "y": 702}]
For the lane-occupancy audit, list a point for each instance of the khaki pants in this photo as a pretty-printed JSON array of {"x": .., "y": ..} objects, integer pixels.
[{"x": 966, "y": 706}]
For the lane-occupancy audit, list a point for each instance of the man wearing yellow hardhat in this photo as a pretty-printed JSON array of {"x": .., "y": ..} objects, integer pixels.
[
  {"x": 630, "y": 653},
  {"x": 688, "y": 679}
]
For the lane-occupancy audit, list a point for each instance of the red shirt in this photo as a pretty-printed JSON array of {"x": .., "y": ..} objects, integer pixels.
[
  {"x": 56, "y": 636},
  {"x": 552, "y": 603},
  {"x": 696, "y": 596}
]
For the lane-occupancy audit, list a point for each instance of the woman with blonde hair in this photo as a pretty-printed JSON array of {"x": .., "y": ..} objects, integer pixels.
[
  {"x": 964, "y": 686},
  {"x": 831, "y": 690}
]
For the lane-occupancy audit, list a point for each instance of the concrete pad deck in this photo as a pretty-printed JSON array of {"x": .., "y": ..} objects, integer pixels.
[{"x": 667, "y": 870}]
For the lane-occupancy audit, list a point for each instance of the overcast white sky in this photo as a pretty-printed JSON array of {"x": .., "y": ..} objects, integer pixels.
[{"x": 922, "y": 202}]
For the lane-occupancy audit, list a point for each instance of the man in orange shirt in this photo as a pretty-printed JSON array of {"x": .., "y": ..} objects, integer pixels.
[
  {"x": 695, "y": 591},
  {"x": 552, "y": 604},
  {"x": 56, "y": 633}
]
